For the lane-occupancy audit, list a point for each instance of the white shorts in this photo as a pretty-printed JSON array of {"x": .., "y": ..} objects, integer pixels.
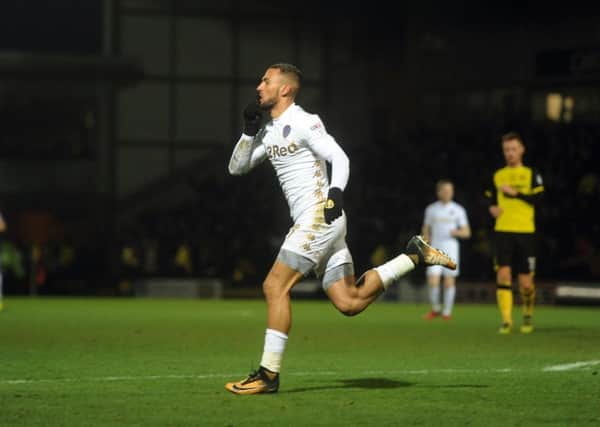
[
  {"x": 313, "y": 245},
  {"x": 451, "y": 248}
]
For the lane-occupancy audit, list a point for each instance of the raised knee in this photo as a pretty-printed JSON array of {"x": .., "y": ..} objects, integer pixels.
[
  {"x": 347, "y": 308},
  {"x": 350, "y": 313}
]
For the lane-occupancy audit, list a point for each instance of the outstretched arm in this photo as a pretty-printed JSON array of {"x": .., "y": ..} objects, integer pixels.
[{"x": 247, "y": 154}]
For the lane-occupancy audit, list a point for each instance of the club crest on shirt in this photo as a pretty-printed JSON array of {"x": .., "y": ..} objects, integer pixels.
[{"x": 286, "y": 130}]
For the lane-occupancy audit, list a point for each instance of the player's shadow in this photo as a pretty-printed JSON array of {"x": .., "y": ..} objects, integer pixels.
[
  {"x": 368, "y": 383},
  {"x": 454, "y": 386},
  {"x": 378, "y": 383},
  {"x": 374, "y": 383}
]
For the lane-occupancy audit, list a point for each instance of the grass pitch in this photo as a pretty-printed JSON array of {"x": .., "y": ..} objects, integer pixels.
[{"x": 144, "y": 362}]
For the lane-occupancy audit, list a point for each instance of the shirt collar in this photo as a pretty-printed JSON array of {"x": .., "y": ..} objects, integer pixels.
[{"x": 287, "y": 112}]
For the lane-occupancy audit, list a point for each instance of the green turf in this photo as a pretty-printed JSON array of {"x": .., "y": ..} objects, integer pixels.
[{"x": 91, "y": 362}]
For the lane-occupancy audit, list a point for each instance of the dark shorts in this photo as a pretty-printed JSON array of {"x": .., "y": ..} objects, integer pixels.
[{"x": 516, "y": 250}]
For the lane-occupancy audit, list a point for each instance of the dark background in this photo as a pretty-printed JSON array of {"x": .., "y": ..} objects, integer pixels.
[{"x": 117, "y": 119}]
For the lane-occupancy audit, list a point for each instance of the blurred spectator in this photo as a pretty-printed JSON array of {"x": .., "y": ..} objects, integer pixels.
[
  {"x": 244, "y": 273},
  {"x": 12, "y": 261},
  {"x": 39, "y": 270},
  {"x": 150, "y": 255},
  {"x": 183, "y": 260},
  {"x": 223, "y": 242},
  {"x": 129, "y": 267}
]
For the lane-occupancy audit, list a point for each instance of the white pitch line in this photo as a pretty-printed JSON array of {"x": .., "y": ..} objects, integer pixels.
[
  {"x": 571, "y": 366},
  {"x": 208, "y": 376},
  {"x": 113, "y": 378},
  {"x": 117, "y": 378}
]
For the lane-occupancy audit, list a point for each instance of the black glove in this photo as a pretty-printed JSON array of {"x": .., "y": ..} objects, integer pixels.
[
  {"x": 334, "y": 205},
  {"x": 252, "y": 118}
]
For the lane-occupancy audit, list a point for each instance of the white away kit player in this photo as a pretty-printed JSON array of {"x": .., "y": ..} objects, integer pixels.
[
  {"x": 445, "y": 221},
  {"x": 299, "y": 147}
]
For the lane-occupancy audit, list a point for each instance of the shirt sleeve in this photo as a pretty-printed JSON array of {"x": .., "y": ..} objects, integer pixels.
[
  {"x": 326, "y": 147},
  {"x": 490, "y": 193},
  {"x": 537, "y": 183},
  {"x": 537, "y": 190},
  {"x": 247, "y": 154},
  {"x": 427, "y": 217},
  {"x": 463, "y": 219}
]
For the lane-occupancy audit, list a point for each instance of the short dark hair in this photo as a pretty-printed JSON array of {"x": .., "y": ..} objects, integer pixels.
[
  {"x": 512, "y": 135},
  {"x": 289, "y": 69}
]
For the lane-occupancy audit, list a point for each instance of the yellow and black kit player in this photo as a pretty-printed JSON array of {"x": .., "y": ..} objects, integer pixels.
[{"x": 513, "y": 195}]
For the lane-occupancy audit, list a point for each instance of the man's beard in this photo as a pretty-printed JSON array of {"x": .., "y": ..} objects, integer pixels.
[{"x": 267, "y": 105}]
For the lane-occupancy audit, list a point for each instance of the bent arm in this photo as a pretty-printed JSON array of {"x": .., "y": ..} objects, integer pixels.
[
  {"x": 247, "y": 154},
  {"x": 463, "y": 232},
  {"x": 490, "y": 199},
  {"x": 327, "y": 148},
  {"x": 463, "y": 228},
  {"x": 532, "y": 199}
]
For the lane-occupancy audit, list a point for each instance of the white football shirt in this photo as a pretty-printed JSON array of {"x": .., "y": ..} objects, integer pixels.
[
  {"x": 298, "y": 146},
  {"x": 442, "y": 218}
]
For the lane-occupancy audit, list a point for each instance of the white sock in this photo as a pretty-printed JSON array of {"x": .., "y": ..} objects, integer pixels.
[
  {"x": 434, "y": 298},
  {"x": 449, "y": 294},
  {"x": 273, "y": 350},
  {"x": 394, "y": 269}
]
